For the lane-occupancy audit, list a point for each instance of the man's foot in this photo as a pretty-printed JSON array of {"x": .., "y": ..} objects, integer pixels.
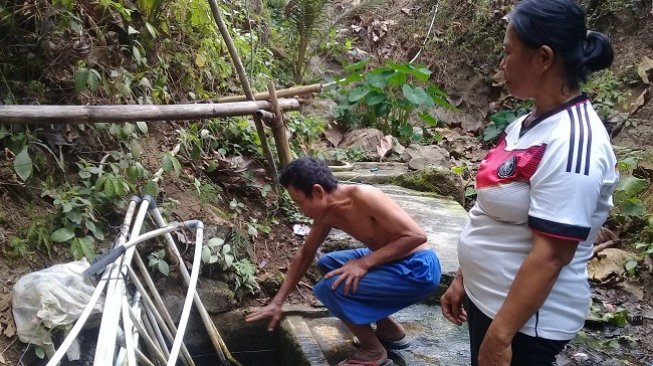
[
  {"x": 389, "y": 344},
  {"x": 361, "y": 358}
]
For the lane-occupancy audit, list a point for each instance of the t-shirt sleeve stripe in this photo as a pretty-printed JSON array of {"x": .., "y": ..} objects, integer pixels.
[{"x": 558, "y": 230}]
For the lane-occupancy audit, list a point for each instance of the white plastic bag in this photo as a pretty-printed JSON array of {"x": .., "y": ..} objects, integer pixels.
[{"x": 49, "y": 298}]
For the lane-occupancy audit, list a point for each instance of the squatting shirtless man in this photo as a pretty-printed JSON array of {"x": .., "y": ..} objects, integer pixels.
[{"x": 360, "y": 286}]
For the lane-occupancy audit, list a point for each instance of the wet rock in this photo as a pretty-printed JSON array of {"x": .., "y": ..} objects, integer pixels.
[
  {"x": 372, "y": 173},
  {"x": 216, "y": 296},
  {"x": 442, "y": 181}
]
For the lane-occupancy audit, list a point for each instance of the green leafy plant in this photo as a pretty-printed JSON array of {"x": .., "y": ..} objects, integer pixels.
[
  {"x": 156, "y": 260},
  {"x": 607, "y": 94},
  {"x": 498, "y": 123},
  {"x": 217, "y": 251},
  {"x": 387, "y": 96}
]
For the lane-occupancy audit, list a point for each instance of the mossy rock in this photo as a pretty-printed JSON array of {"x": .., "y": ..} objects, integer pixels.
[{"x": 442, "y": 181}]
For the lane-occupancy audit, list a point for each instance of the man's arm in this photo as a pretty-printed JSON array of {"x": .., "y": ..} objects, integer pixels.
[
  {"x": 529, "y": 290},
  {"x": 300, "y": 263},
  {"x": 302, "y": 260}
]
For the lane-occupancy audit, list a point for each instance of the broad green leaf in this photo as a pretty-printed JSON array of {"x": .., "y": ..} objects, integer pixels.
[
  {"x": 429, "y": 119},
  {"x": 357, "y": 65},
  {"x": 491, "y": 131},
  {"x": 151, "y": 188},
  {"x": 142, "y": 126},
  {"x": 167, "y": 164},
  {"x": 631, "y": 265},
  {"x": 128, "y": 129},
  {"x": 23, "y": 164},
  {"x": 397, "y": 79},
  {"x": 93, "y": 80},
  {"x": 74, "y": 216},
  {"x": 375, "y": 98},
  {"x": 87, "y": 246},
  {"x": 163, "y": 267},
  {"x": 634, "y": 207},
  {"x": 206, "y": 254},
  {"x": 216, "y": 242},
  {"x": 382, "y": 109},
  {"x": 422, "y": 74},
  {"x": 212, "y": 166},
  {"x": 134, "y": 173},
  {"x": 38, "y": 350},
  {"x": 357, "y": 94},
  {"x": 228, "y": 260},
  {"x": 81, "y": 79},
  {"x": 150, "y": 28},
  {"x": 630, "y": 186},
  {"x": 417, "y": 96},
  {"x": 226, "y": 249},
  {"x": 61, "y": 235}
]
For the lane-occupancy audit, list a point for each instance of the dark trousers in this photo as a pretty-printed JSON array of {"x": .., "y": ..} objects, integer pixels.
[{"x": 526, "y": 350}]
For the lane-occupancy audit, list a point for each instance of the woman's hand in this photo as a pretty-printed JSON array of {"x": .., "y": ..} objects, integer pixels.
[
  {"x": 272, "y": 311},
  {"x": 351, "y": 274},
  {"x": 495, "y": 350},
  {"x": 452, "y": 301}
]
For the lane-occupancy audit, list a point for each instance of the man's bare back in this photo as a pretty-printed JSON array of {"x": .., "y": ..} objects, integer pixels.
[{"x": 354, "y": 213}]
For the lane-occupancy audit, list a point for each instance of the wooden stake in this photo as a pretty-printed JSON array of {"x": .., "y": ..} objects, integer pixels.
[
  {"x": 240, "y": 69},
  {"x": 278, "y": 127}
]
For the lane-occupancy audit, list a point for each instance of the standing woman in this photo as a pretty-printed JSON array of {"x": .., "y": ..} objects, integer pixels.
[{"x": 543, "y": 193}]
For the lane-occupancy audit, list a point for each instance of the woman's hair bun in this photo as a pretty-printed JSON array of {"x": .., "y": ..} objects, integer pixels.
[{"x": 597, "y": 51}]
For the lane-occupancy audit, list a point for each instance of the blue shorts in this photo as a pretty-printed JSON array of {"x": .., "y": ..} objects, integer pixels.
[{"x": 383, "y": 291}]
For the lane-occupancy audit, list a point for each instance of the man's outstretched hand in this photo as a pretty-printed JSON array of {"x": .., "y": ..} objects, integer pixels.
[{"x": 272, "y": 311}]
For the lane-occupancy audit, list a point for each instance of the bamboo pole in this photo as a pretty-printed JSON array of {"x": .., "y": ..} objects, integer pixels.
[
  {"x": 281, "y": 93},
  {"x": 278, "y": 127},
  {"x": 77, "y": 114},
  {"x": 240, "y": 69}
]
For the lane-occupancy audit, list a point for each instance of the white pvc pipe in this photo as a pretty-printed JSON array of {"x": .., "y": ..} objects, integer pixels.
[
  {"x": 183, "y": 321},
  {"x": 99, "y": 289},
  {"x": 130, "y": 342},
  {"x": 107, "y": 337}
]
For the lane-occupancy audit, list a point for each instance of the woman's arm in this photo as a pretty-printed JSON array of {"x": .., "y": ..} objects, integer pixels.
[{"x": 529, "y": 290}]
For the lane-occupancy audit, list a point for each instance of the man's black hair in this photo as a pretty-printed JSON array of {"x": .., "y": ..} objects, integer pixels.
[
  {"x": 304, "y": 172},
  {"x": 560, "y": 24}
]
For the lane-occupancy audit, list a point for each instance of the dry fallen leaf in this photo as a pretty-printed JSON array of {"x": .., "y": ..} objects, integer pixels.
[
  {"x": 639, "y": 102},
  {"x": 384, "y": 146},
  {"x": 643, "y": 68}
]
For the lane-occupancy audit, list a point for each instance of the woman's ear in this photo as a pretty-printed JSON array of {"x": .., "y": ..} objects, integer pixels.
[{"x": 546, "y": 58}]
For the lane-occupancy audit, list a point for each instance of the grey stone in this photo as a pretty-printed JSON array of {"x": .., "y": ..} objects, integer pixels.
[
  {"x": 422, "y": 157},
  {"x": 324, "y": 108},
  {"x": 365, "y": 140},
  {"x": 216, "y": 296}
]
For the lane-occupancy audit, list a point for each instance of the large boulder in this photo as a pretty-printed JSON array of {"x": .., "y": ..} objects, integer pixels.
[
  {"x": 423, "y": 157},
  {"x": 216, "y": 296},
  {"x": 438, "y": 180},
  {"x": 365, "y": 140}
]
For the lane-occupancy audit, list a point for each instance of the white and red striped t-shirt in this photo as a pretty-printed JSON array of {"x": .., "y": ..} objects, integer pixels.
[{"x": 556, "y": 177}]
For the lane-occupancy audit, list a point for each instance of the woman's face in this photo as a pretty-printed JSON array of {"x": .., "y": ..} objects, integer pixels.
[{"x": 520, "y": 67}]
